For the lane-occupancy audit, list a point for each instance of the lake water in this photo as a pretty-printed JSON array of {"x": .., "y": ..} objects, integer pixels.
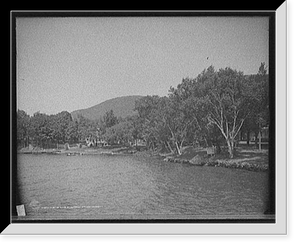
[{"x": 131, "y": 187}]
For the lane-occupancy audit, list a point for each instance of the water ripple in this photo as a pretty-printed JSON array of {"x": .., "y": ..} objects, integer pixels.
[{"x": 97, "y": 187}]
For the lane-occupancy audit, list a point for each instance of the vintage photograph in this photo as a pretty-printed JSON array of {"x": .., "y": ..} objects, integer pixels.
[{"x": 144, "y": 118}]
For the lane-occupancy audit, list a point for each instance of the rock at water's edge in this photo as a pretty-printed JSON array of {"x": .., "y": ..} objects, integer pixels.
[{"x": 196, "y": 160}]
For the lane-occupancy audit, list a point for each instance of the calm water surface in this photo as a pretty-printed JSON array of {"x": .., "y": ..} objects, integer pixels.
[{"x": 120, "y": 186}]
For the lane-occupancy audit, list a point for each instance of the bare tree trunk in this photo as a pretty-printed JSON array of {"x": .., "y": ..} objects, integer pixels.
[
  {"x": 248, "y": 138},
  {"x": 169, "y": 146},
  {"x": 206, "y": 143},
  {"x": 230, "y": 144},
  {"x": 228, "y": 135},
  {"x": 256, "y": 136},
  {"x": 177, "y": 148},
  {"x": 259, "y": 140}
]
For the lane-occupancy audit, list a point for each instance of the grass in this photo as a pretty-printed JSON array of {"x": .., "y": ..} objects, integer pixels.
[
  {"x": 249, "y": 159},
  {"x": 245, "y": 158}
]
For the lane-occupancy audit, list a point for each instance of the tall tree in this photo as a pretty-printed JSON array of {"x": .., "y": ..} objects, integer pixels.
[
  {"x": 259, "y": 116},
  {"x": 149, "y": 110},
  {"x": 110, "y": 119},
  {"x": 177, "y": 120},
  {"x": 122, "y": 132},
  {"x": 23, "y": 128},
  {"x": 40, "y": 130},
  {"x": 191, "y": 108},
  {"x": 72, "y": 133},
  {"x": 60, "y": 125},
  {"x": 221, "y": 98},
  {"x": 229, "y": 100}
]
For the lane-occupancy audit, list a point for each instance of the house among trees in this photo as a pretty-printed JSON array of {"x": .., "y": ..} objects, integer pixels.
[
  {"x": 90, "y": 142},
  {"x": 138, "y": 142}
]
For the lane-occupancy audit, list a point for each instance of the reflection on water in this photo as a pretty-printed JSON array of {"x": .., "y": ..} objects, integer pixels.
[{"x": 113, "y": 187}]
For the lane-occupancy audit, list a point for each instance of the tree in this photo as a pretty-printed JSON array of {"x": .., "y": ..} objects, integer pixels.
[
  {"x": 91, "y": 129},
  {"x": 23, "y": 128},
  {"x": 120, "y": 133},
  {"x": 259, "y": 116},
  {"x": 223, "y": 99},
  {"x": 150, "y": 109},
  {"x": 83, "y": 126},
  {"x": 190, "y": 106},
  {"x": 110, "y": 119},
  {"x": 40, "y": 130},
  {"x": 164, "y": 122},
  {"x": 137, "y": 127},
  {"x": 72, "y": 133},
  {"x": 60, "y": 124},
  {"x": 229, "y": 100},
  {"x": 177, "y": 120},
  {"x": 110, "y": 135},
  {"x": 262, "y": 92}
]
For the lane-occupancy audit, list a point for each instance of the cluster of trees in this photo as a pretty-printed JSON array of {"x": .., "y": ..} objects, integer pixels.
[
  {"x": 40, "y": 129},
  {"x": 44, "y": 130},
  {"x": 48, "y": 131},
  {"x": 210, "y": 109}
]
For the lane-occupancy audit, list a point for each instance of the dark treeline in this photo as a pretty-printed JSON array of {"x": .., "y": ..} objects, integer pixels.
[
  {"x": 212, "y": 109},
  {"x": 48, "y": 131}
]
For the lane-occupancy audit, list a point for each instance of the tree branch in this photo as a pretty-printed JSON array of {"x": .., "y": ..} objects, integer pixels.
[
  {"x": 218, "y": 125},
  {"x": 234, "y": 120},
  {"x": 240, "y": 126}
]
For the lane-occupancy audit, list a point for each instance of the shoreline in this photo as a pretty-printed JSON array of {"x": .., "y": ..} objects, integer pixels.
[{"x": 252, "y": 160}]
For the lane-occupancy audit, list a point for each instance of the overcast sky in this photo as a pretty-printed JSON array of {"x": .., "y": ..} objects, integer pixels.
[{"x": 75, "y": 63}]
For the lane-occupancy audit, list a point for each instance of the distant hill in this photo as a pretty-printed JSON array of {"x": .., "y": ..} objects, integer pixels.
[{"x": 122, "y": 106}]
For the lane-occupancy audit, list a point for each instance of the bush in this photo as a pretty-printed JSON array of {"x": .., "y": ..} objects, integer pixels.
[{"x": 243, "y": 165}]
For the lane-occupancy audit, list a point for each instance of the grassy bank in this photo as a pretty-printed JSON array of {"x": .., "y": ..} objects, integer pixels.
[
  {"x": 249, "y": 159},
  {"x": 75, "y": 150}
]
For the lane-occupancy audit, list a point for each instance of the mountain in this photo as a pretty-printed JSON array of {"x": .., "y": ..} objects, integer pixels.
[{"x": 122, "y": 106}]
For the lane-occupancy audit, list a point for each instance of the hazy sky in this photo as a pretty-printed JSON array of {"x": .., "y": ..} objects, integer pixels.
[{"x": 74, "y": 63}]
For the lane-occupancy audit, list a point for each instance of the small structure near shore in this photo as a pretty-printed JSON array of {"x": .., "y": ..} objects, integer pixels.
[
  {"x": 211, "y": 151},
  {"x": 67, "y": 147}
]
